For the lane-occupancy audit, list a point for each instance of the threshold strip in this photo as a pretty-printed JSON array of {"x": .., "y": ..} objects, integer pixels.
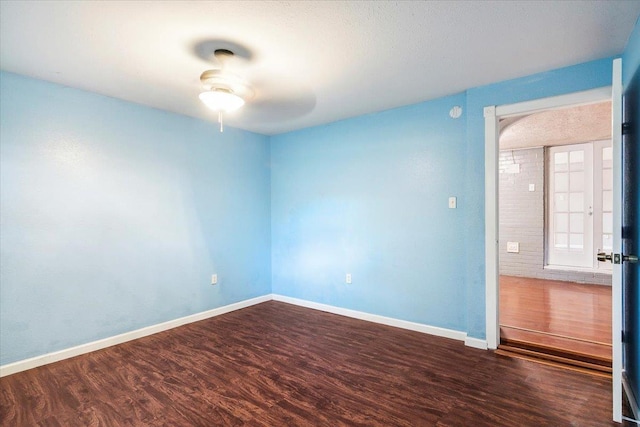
[{"x": 556, "y": 335}]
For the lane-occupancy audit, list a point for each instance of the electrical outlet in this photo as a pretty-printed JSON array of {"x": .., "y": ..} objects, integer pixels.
[
  {"x": 347, "y": 279},
  {"x": 214, "y": 279},
  {"x": 513, "y": 247}
]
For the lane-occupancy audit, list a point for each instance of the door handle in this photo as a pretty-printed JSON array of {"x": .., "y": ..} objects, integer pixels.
[
  {"x": 616, "y": 258},
  {"x": 604, "y": 257}
]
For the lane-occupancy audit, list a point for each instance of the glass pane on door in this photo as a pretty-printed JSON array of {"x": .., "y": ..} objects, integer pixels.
[{"x": 570, "y": 204}]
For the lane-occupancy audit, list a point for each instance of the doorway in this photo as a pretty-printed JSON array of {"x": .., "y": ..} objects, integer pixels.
[
  {"x": 554, "y": 209},
  {"x": 617, "y": 257},
  {"x": 492, "y": 114}
]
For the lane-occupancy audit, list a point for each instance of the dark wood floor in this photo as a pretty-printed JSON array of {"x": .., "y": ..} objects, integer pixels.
[
  {"x": 564, "y": 315},
  {"x": 275, "y": 364}
]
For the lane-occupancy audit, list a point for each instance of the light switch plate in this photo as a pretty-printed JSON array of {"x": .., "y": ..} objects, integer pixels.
[
  {"x": 532, "y": 187},
  {"x": 453, "y": 202}
]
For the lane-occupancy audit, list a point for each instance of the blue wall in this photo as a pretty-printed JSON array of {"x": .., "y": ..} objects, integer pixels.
[
  {"x": 114, "y": 216},
  {"x": 368, "y": 196},
  {"x": 631, "y": 56}
]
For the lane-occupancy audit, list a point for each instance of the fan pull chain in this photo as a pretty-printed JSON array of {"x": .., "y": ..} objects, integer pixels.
[{"x": 220, "y": 121}]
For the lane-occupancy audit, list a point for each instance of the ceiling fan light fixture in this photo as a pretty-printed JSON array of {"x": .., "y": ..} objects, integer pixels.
[{"x": 221, "y": 100}]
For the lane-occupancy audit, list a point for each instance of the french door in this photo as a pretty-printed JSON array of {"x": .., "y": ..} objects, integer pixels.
[{"x": 579, "y": 201}]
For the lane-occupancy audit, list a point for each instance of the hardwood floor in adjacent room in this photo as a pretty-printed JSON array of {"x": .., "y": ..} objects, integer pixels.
[
  {"x": 276, "y": 364},
  {"x": 569, "y": 317}
]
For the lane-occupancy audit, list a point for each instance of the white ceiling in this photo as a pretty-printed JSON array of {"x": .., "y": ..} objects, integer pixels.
[{"x": 310, "y": 62}]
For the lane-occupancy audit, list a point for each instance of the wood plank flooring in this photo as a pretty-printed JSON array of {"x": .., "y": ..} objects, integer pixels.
[
  {"x": 276, "y": 364},
  {"x": 563, "y": 315}
]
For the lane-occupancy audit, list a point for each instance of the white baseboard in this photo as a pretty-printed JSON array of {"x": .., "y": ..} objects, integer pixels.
[
  {"x": 34, "y": 362},
  {"x": 476, "y": 343},
  {"x": 389, "y": 321},
  {"x": 631, "y": 397}
]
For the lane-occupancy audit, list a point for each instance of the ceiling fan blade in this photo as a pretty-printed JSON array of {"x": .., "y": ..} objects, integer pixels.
[
  {"x": 277, "y": 97},
  {"x": 279, "y": 107}
]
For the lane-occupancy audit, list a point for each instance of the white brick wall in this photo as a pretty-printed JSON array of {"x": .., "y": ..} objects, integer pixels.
[{"x": 521, "y": 214}]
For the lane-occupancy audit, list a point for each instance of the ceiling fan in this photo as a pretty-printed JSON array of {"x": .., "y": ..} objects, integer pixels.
[
  {"x": 266, "y": 91},
  {"x": 224, "y": 91}
]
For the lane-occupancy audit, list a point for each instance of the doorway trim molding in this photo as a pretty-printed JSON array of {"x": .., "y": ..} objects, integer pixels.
[{"x": 492, "y": 114}]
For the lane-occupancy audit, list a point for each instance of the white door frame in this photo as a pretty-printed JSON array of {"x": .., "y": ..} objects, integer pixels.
[{"x": 491, "y": 116}]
